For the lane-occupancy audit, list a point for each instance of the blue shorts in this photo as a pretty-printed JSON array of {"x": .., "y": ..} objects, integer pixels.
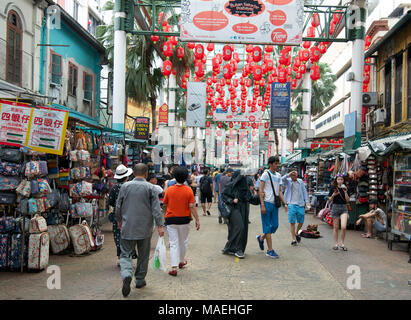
[
  {"x": 270, "y": 218},
  {"x": 378, "y": 226},
  {"x": 295, "y": 213}
]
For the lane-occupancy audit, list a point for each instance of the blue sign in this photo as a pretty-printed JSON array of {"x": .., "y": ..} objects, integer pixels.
[
  {"x": 280, "y": 105},
  {"x": 350, "y": 124}
]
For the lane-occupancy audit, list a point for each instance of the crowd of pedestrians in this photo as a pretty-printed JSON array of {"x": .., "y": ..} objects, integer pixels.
[{"x": 136, "y": 208}]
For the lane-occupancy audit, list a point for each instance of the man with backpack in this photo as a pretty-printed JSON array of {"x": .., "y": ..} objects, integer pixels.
[{"x": 206, "y": 189}]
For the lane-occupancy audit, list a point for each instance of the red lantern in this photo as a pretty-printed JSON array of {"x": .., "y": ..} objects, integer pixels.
[
  {"x": 298, "y": 75},
  {"x": 227, "y": 52},
  {"x": 249, "y": 48},
  {"x": 303, "y": 69},
  {"x": 154, "y": 37},
  {"x": 231, "y": 125},
  {"x": 315, "y": 20},
  {"x": 304, "y": 55},
  {"x": 322, "y": 47},
  {"x": 219, "y": 125},
  {"x": 236, "y": 57},
  {"x": 174, "y": 41},
  {"x": 266, "y": 133},
  {"x": 294, "y": 84},
  {"x": 307, "y": 44},
  {"x": 366, "y": 78},
  {"x": 311, "y": 32},
  {"x": 167, "y": 68},
  {"x": 191, "y": 45},
  {"x": 367, "y": 68},
  {"x": 315, "y": 72},
  {"x": 208, "y": 124},
  {"x": 227, "y": 72},
  {"x": 199, "y": 52},
  {"x": 180, "y": 53},
  {"x": 315, "y": 54},
  {"x": 210, "y": 47},
  {"x": 367, "y": 41},
  {"x": 168, "y": 49},
  {"x": 257, "y": 52},
  {"x": 199, "y": 70},
  {"x": 268, "y": 48}
]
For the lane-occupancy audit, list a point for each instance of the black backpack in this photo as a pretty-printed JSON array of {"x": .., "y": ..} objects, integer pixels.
[{"x": 205, "y": 185}]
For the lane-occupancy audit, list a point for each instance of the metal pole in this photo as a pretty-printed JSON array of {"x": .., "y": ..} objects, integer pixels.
[
  {"x": 283, "y": 144},
  {"x": 357, "y": 23},
  {"x": 119, "y": 70},
  {"x": 306, "y": 123}
]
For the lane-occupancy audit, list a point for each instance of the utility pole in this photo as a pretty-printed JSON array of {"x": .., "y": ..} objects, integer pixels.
[
  {"x": 283, "y": 144},
  {"x": 357, "y": 15},
  {"x": 306, "y": 121},
  {"x": 119, "y": 72}
]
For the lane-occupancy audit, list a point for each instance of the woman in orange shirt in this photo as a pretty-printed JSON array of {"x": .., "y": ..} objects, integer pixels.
[{"x": 179, "y": 204}]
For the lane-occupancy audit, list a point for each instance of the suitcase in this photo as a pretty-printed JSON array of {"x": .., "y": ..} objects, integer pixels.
[
  {"x": 39, "y": 246},
  {"x": 59, "y": 238},
  {"x": 4, "y": 250},
  {"x": 15, "y": 251},
  {"x": 38, "y": 224},
  {"x": 80, "y": 239}
]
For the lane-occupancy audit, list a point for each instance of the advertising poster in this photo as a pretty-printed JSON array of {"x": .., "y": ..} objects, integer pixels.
[
  {"x": 255, "y": 150},
  {"x": 47, "y": 130},
  {"x": 163, "y": 114},
  {"x": 263, "y": 139},
  {"x": 243, "y": 21},
  {"x": 196, "y": 104},
  {"x": 142, "y": 128},
  {"x": 14, "y": 123},
  {"x": 232, "y": 147},
  {"x": 280, "y": 105}
]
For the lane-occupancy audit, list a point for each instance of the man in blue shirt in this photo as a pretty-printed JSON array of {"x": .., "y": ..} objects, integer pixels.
[{"x": 297, "y": 198}]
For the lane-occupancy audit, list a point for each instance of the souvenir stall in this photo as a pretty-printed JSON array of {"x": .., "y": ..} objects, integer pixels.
[{"x": 54, "y": 183}]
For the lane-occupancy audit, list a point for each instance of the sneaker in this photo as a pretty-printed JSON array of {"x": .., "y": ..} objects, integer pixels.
[
  {"x": 220, "y": 220},
  {"x": 173, "y": 273},
  {"x": 272, "y": 254},
  {"x": 225, "y": 251},
  {"x": 239, "y": 254},
  {"x": 293, "y": 243},
  {"x": 140, "y": 284},
  {"x": 260, "y": 242},
  {"x": 208, "y": 212},
  {"x": 126, "y": 286},
  {"x": 298, "y": 238},
  {"x": 182, "y": 264}
]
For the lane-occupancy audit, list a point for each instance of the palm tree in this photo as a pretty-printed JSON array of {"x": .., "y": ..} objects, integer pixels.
[
  {"x": 322, "y": 94},
  {"x": 144, "y": 79}
]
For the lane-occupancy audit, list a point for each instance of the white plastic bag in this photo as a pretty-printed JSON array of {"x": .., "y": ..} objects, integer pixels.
[{"x": 160, "y": 257}]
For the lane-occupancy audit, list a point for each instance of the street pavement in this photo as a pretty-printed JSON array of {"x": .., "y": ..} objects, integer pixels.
[{"x": 312, "y": 270}]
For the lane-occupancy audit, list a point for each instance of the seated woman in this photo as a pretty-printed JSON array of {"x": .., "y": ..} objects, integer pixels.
[{"x": 374, "y": 218}]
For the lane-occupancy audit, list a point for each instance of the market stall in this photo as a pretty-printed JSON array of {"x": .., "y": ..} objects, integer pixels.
[{"x": 55, "y": 173}]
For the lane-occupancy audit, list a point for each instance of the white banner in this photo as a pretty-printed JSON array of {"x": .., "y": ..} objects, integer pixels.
[
  {"x": 248, "y": 116},
  {"x": 243, "y": 21},
  {"x": 196, "y": 104}
]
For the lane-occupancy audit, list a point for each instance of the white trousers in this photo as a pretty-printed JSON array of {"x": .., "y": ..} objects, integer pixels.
[{"x": 178, "y": 236}]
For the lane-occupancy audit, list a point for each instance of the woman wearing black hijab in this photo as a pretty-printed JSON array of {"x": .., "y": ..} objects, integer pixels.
[{"x": 237, "y": 195}]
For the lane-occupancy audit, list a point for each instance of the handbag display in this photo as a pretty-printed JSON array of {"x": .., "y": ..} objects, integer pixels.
[
  {"x": 7, "y": 198},
  {"x": 34, "y": 185},
  {"x": 10, "y": 169},
  {"x": 38, "y": 224},
  {"x": 44, "y": 186},
  {"x": 32, "y": 169},
  {"x": 12, "y": 155},
  {"x": 24, "y": 188},
  {"x": 43, "y": 168},
  {"x": 9, "y": 183}
]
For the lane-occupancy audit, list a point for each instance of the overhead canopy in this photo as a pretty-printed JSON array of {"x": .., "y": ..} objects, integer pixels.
[{"x": 404, "y": 146}]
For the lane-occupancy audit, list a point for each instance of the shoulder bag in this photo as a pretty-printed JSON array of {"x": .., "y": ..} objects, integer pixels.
[
  {"x": 348, "y": 204},
  {"x": 277, "y": 200}
]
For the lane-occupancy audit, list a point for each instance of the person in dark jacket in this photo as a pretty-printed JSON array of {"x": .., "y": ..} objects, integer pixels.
[
  {"x": 237, "y": 195},
  {"x": 122, "y": 175}
]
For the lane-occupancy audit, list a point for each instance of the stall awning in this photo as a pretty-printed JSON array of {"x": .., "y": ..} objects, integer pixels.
[
  {"x": 404, "y": 146},
  {"x": 136, "y": 140},
  {"x": 311, "y": 159},
  {"x": 380, "y": 146}
]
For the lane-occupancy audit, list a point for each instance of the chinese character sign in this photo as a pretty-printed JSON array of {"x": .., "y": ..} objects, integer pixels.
[
  {"x": 47, "y": 130},
  {"x": 243, "y": 21},
  {"x": 142, "y": 128},
  {"x": 14, "y": 122}
]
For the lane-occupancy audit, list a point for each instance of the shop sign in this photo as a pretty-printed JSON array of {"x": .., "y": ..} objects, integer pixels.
[
  {"x": 243, "y": 21},
  {"x": 280, "y": 105},
  {"x": 14, "y": 123},
  {"x": 163, "y": 114},
  {"x": 142, "y": 128},
  {"x": 47, "y": 130}
]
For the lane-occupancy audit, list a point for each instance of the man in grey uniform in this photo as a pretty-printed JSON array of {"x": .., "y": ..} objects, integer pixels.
[{"x": 136, "y": 206}]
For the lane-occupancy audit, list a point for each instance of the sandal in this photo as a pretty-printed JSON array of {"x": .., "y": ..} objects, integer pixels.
[
  {"x": 364, "y": 235},
  {"x": 335, "y": 248},
  {"x": 343, "y": 248}
]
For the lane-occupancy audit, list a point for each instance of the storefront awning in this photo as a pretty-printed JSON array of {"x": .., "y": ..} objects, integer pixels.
[
  {"x": 404, "y": 146},
  {"x": 379, "y": 147},
  {"x": 311, "y": 159}
]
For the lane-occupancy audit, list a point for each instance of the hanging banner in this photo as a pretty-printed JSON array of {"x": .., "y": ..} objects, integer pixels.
[
  {"x": 142, "y": 128},
  {"x": 163, "y": 114},
  {"x": 280, "y": 105},
  {"x": 243, "y": 21},
  {"x": 255, "y": 150},
  {"x": 14, "y": 123},
  {"x": 232, "y": 149},
  {"x": 196, "y": 104},
  {"x": 263, "y": 139},
  {"x": 47, "y": 130},
  {"x": 229, "y": 115}
]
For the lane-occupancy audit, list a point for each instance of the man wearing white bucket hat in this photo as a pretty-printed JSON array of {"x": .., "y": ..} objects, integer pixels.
[{"x": 122, "y": 175}]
